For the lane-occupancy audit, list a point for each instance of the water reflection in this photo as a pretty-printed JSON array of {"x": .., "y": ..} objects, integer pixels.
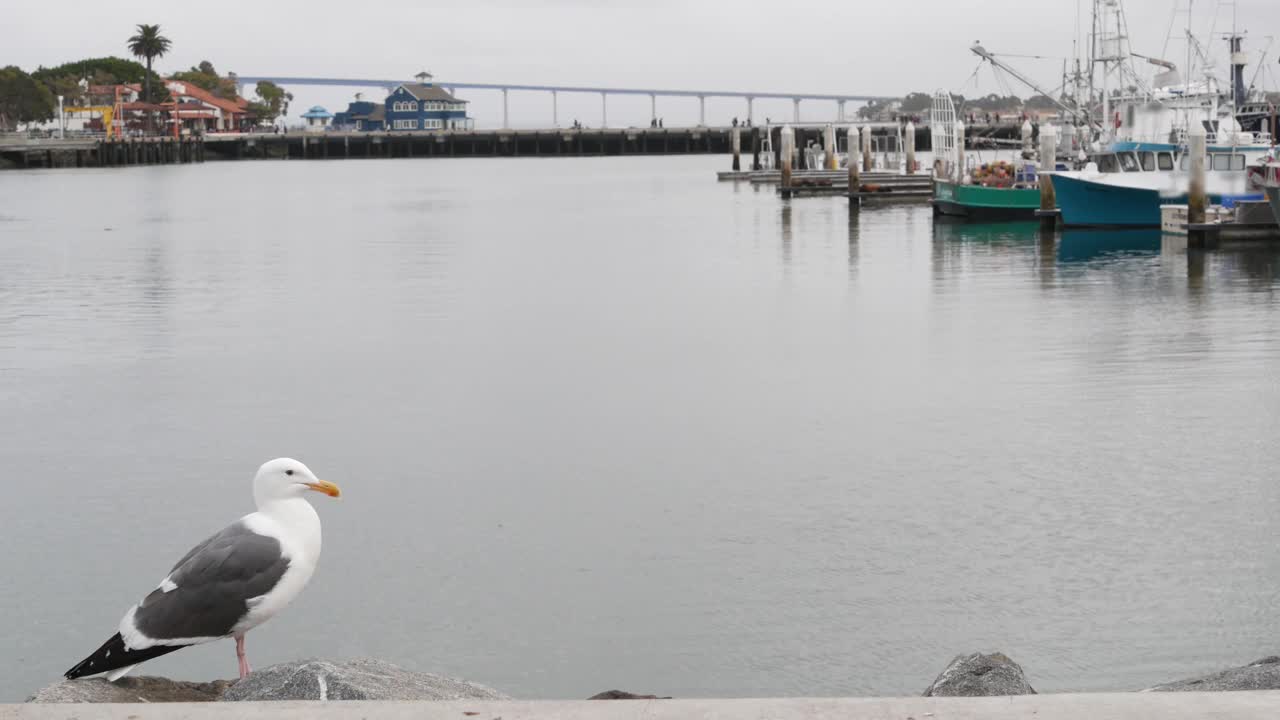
[
  {"x": 855, "y": 225},
  {"x": 957, "y": 245},
  {"x": 1079, "y": 246},
  {"x": 787, "y": 234}
]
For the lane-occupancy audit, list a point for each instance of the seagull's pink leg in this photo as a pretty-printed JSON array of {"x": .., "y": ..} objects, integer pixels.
[{"x": 244, "y": 661}]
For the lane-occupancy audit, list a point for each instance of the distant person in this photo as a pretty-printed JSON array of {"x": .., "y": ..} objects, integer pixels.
[
  {"x": 660, "y": 122},
  {"x": 735, "y": 121}
]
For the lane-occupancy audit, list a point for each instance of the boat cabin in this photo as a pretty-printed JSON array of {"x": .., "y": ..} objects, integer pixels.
[{"x": 1162, "y": 161}]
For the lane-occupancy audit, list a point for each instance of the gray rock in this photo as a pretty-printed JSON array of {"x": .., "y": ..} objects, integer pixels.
[
  {"x": 1261, "y": 675},
  {"x": 980, "y": 675},
  {"x": 624, "y": 695},
  {"x": 352, "y": 680},
  {"x": 130, "y": 690}
]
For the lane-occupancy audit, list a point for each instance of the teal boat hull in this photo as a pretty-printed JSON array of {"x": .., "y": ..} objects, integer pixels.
[{"x": 1084, "y": 203}]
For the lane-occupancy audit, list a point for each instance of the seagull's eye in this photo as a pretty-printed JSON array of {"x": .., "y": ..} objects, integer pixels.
[{"x": 288, "y": 472}]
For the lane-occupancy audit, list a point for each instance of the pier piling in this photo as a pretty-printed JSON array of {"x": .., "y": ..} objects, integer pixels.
[
  {"x": 787, "y": 150},
  {"x": 735, "y": 143},
  {"x": 1048, "y": 162},
  {"x": 1196, "y": 200},
  {"x": 830, "y": 148},
  {"x": 866, "y": 148},
  {"x": 911, "y": 148},
  {"x": 855, "y": 182}
]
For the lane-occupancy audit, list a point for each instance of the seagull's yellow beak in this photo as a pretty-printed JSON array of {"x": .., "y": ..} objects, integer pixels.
[{"x": 326, "y": 487}]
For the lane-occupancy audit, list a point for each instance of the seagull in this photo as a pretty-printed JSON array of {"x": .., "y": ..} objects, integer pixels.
[{"x": 229, "y": 584}]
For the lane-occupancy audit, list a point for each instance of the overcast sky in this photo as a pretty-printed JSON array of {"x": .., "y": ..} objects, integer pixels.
[{"x": 851, "y": 46}]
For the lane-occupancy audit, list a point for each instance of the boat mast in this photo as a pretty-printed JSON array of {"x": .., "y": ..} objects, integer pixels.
[{"x": 1109, "y": 51}]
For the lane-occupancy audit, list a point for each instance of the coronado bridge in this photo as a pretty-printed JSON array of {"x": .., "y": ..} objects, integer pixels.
[{"x": 604, "y": 92}]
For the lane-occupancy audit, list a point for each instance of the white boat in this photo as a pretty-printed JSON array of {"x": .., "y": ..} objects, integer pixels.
[{"x": 1266, "y": 175}]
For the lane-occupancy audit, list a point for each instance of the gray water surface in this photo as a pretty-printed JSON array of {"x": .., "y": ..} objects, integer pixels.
[{"x": 607, "y": 423}]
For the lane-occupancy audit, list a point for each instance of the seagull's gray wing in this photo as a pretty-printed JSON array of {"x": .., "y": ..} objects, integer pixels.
[{"x": 208, "y": 591}]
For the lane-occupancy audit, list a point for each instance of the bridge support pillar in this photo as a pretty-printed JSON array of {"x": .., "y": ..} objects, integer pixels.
[
  {"x": 506, "y": 123},
  {"x": 555, "y": 110},
  {"x": 750, "y": 110},
  {"x": 796, "y": 103},
  {"x": 840, "y": 111},
  {"x": 604, "y": 110},
  {"x": 653, "y": 109},
  {"x": 702, "y": 111}
]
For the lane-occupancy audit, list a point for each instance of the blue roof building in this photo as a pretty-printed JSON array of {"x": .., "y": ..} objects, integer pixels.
[
  {"x": 361, "y": 115},
  {"x": 317, "y": 118},
  {"x": 424, "y": 106}
]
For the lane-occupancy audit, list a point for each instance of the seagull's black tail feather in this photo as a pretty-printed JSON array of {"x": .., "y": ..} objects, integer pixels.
[{"x": 113, "y": 655}]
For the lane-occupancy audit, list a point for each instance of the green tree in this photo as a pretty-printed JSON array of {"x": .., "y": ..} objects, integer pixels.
[
  {"x": 272, "y": 102},
  {"x": 917, "y": 102},
  {"x": 1040, "y": 102},
  {"x": 67, "y": 87},
  {"x": 22, "y": 99},
  {"x": 120, "y": 70},
  {"x": 148, "y": 44},
  {"x": 206, "y": 76}
]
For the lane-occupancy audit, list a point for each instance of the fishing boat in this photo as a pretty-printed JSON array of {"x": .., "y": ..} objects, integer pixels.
[
  {"x": 1266, "y": 176},
  {"x": 1017, "y": 199},
  {"x": 1127, "y": 187},
  {"x": 988, "y": 192}
]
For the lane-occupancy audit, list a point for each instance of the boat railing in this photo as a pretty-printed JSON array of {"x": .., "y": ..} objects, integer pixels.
[{"x": 1213, "y": 138}]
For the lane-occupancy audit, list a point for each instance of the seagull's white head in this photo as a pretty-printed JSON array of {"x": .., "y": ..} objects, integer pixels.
[{"x": 284, "y": 478}]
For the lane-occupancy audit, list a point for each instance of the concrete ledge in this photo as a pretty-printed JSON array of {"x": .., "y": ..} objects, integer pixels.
[{"x": 1113, "y": 706}]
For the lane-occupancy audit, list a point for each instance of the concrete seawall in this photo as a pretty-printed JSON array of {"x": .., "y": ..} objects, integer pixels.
[{"x": 1093, "y": 706}]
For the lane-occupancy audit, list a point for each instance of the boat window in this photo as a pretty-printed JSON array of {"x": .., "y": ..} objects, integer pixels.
[
  {"x": 1165, "y": 161},
  {"x": 1128, "y": 162},
  {"x": 1148, "y": 160},
  {"x": 1108, "y": 163},
  {"x": 1237, "y": 162},
  {"x": 1221, "y": 162}
]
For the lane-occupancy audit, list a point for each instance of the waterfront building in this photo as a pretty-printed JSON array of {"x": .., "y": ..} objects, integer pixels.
[
  {"x": 423, "y": 105},
  {"x": 317, "y": 118},
  {"x": 202, "y": 111},
  {"x": 361, "y": 115}
]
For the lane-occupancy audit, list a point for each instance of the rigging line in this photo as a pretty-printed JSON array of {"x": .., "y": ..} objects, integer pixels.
[
  {"x": 1173, "y": 16},
  {"x": 1030, "y": 57},
  {"x": 973, "y": 74}
]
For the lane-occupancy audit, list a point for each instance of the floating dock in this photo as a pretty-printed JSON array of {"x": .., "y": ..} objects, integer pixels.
[{"x": 873, "y": 186}]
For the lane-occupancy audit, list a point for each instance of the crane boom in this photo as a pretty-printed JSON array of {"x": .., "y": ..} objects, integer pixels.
[{"x": 1075, "y": 112}]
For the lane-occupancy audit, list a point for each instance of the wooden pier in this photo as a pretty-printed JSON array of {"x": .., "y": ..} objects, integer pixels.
[
  {"x": 22, "y": 152},
  {"x": 875, "y": 185},
  {"x": 471, "y": 143},
  {"x": 92, "y": 152}
]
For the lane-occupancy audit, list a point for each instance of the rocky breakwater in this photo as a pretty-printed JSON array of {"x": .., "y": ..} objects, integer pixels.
[
  {"x": 979, "y": 675},
  {"x": 364, "y": 679},
  {"x": 1263, "y": 674},
  {"x": 974, "y": 675}
]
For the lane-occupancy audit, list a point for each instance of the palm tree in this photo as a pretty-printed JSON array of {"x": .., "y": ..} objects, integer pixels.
[{"x": 148, "y": 44}]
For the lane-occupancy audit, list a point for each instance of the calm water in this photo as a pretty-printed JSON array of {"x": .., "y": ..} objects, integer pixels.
[{"x": 607, "y": 423}]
